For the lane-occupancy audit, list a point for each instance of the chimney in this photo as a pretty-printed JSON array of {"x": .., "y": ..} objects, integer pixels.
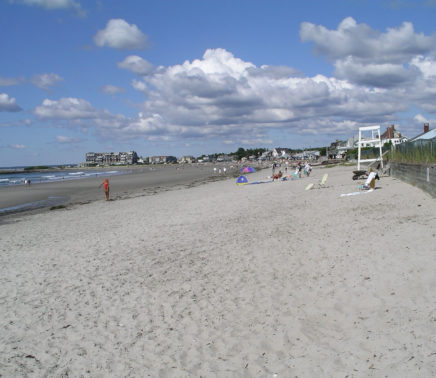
[{"x": 426, "y": 127}]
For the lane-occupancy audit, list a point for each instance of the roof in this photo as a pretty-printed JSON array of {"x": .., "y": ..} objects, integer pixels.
[{"x": 428, "y": 135}]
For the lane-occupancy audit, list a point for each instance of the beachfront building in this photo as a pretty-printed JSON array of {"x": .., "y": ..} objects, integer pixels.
[
  {"x": 163, "y": 159},
  {"x": 281, "y": 153},
  {"x": 187, "y": 159},
  {"x": 266, "y": 155},
  {"x": 393, "y": 136},
  {"x": 390, "y": 135},
  {"x": 306, "y": 155},
  {"x": 223, "y": 157},
  {"x": 427, "y": 134},
  {"x": 111, "y": 158},
  {"x": 207, "y": 159},
  {"x": 337, "y": 149}
]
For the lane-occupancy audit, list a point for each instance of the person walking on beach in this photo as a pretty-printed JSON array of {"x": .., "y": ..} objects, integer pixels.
[
  {"x": 307, "y": 168},
  {"x": 106, "y": 188}
]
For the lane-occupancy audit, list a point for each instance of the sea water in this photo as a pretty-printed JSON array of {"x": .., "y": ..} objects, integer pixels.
[
  {"x": 21, "y": 177},
  {"x": 18, "y": 176}
]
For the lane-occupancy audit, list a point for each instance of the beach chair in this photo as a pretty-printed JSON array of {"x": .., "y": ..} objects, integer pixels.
[{"x": 321, "y": 183}]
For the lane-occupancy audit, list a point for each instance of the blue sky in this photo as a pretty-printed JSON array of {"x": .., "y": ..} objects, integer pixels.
[{"x": 182, "y": 77}]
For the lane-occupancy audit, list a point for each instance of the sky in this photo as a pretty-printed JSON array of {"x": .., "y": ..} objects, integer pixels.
[{"x": 193, "y": 77}]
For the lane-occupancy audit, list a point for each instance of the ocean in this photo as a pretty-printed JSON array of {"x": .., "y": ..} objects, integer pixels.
[{"x": 18, "y": 176}]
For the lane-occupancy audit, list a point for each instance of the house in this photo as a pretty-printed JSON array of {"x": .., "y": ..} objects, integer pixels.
[
  {"x": 393, "y": 136},
  {"x": 267, "y": 155},
  {"x": 187, "y": 159},
  {"x": 223, "y": 157},
  {"x": 281, "y": 153},
  {"x": 306, "y": 155},
  {"x": 427, "y": 134},
  {"x": 163, "y": 159},
  {"x": 337, "y": 150}
]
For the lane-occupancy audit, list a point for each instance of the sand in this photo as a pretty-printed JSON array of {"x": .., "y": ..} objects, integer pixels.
[{"x": 218, "y": 280}]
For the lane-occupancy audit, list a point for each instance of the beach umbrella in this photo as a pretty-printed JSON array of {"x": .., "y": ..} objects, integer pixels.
[
  {"x": 242, "y": 180},
  {"x": 248, "y": 169}
]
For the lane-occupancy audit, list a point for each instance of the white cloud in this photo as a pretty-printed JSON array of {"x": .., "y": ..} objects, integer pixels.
[
  {"x": 225, "y": 97},
  {"x": 366, "y": 56},
  {"x": 222, "y": 98},
  {"x": 140, "y": 86},
  {"x": 66, "y": 109},
  {"x": 363, "y": 43},
  {"x": 112, "y": 89},
  {"x": 136, "y": 64},
  {"x": 384, "y": 75},
  {"x": 54, "y": 4},
  {"x": 67, "y": 140},
  {"x": 8, "y": 104},
  {"x": 426, "y": 65},
  {"x": 45, "y": 81},
  {"x": 120, "y": 35}
]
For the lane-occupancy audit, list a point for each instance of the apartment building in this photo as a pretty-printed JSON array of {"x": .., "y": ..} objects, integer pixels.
[{"x": 111, "y": 158}]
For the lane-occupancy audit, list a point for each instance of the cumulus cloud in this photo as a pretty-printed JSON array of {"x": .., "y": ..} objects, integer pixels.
[
  {"x": 112, "y": 89},
  {"x": 366, "y": 56},
  {"x": 363, "y": 43},
  {"x": 8, "y": 104},
  {"x": 136, "y": 64},
  {"x": 224, "y": 98},
  {"x": 66, "y": 109},
  {"x": 140, "y": 86},
  {"x": 121, "y": 35},
  {"x": 45, "y": 81},
  {"x": 426, "y": 65},
  {"x": 384, "y": 75},
  {"x": 54, "y": 4}
]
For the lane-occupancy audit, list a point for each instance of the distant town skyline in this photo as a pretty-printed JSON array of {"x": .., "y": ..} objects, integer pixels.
[{"x": 198, "y": 77}]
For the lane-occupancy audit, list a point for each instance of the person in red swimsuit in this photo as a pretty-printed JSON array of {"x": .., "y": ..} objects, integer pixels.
[{"x": 106, "y": 188}]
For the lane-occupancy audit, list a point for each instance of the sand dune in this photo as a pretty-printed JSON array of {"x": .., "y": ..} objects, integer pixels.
[{"x": 225, "y": 281}]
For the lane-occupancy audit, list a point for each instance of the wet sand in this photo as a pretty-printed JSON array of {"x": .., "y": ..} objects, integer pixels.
[{"x": 142, "y": 181}]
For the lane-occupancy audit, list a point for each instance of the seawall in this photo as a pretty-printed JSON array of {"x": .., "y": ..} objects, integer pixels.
[{"x": 422, "y": 176}]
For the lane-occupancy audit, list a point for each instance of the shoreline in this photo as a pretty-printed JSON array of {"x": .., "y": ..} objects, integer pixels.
[{"x": 140, "y": 181}]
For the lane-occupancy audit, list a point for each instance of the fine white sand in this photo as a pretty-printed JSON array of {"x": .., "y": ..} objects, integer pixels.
[{"x": 225, "y": 281}]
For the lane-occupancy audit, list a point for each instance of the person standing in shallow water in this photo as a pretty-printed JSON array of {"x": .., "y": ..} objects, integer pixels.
[{"x": 106, "y": 188}]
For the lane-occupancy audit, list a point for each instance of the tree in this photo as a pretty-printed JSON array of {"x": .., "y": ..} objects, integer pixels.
[{"x": 240, "y": 153}]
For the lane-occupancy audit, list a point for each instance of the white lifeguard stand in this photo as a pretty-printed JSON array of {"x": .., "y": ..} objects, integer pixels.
[{"x": 372, "y": 141}]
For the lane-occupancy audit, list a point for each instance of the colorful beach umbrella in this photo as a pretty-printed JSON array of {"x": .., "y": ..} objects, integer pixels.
[{"x": 247, "y": 169}]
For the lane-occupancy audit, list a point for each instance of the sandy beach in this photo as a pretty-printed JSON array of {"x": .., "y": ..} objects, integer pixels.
[{"x": 220, "y": 280}]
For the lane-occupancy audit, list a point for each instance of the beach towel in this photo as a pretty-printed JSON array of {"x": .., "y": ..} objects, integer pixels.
[{"x": 356, "y": 193}]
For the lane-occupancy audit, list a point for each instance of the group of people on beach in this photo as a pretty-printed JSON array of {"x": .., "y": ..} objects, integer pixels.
[{"x": 299, "y": 169}]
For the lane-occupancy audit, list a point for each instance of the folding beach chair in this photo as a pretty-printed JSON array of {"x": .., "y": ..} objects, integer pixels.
[{"x": 321, "y": 183}]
